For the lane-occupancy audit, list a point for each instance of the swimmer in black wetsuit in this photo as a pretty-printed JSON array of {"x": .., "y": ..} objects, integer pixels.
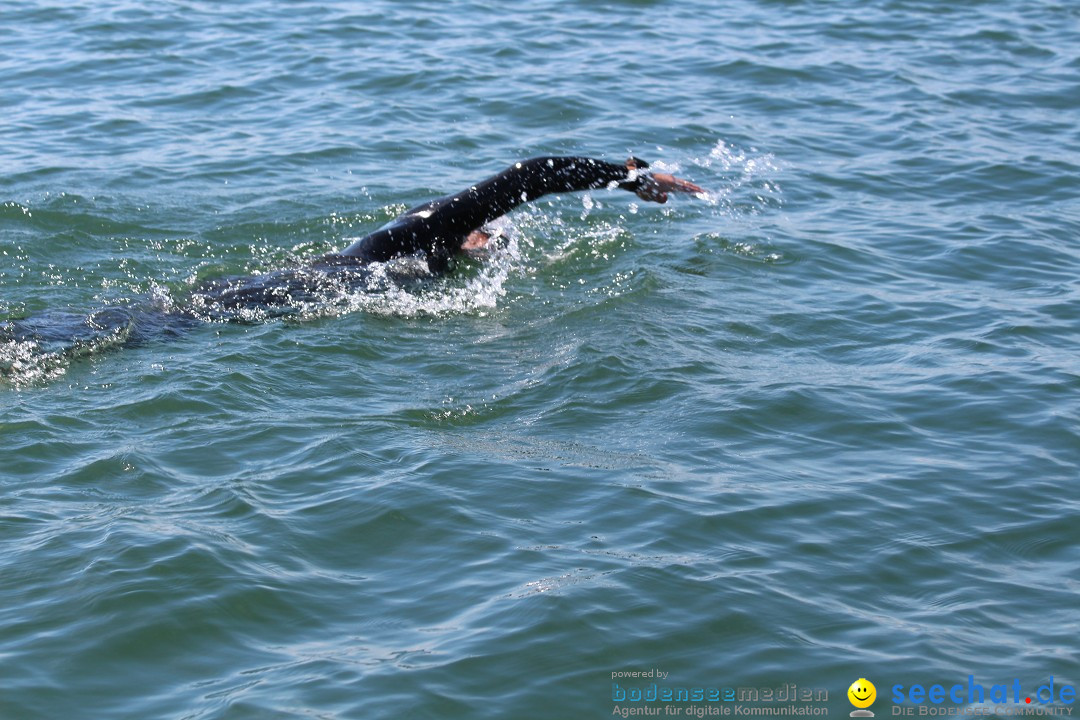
[
  {"x": 439, "y": 230},
  {"x": 442, "y": 227}
]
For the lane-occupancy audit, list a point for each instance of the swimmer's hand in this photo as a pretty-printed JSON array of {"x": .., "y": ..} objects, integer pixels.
[{"x": 654, "y": 186}]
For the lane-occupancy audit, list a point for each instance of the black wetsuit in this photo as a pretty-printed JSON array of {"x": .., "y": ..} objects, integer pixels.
[{"x": 434, "y": 231}]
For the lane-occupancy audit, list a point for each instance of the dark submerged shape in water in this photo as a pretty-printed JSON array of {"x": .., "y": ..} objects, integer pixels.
[{"x": 435, "y": 232}]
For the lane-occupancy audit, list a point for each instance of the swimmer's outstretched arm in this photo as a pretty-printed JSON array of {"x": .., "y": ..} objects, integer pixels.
[{"x": 440, "y": 226}]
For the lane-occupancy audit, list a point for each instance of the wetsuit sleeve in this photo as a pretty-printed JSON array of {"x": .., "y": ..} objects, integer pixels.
[
  {"x": 528, "y": 180},
  {"x": 441, "y": 225}
]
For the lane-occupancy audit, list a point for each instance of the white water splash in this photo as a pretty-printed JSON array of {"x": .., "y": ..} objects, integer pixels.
[
  {"x": 405, "y": 287},
  {"x": 29, "y": 356},
  {"x": 23, "y": 363},
  {"x": 747, "y": 185},
  {"x": 477, "y": 294}
]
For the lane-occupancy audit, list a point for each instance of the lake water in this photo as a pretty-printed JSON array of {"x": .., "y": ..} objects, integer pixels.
[{"x": 821, "y": 424}]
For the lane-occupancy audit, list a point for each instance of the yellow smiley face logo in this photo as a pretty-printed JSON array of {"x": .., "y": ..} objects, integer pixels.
[{"x": 862, "y": 693}]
